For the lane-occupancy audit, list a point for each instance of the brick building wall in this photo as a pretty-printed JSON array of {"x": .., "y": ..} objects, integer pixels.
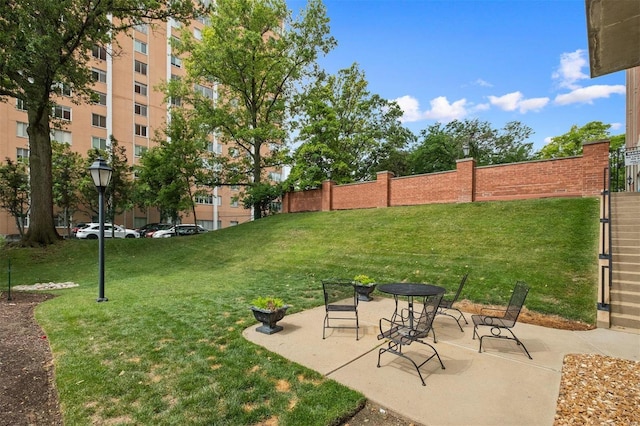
[{"x": 581, "y": 176}]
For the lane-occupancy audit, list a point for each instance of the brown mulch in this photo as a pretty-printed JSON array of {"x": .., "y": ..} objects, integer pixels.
[
  {"x": 28, "y": 395},
  {"x": 27, "y": 392}
]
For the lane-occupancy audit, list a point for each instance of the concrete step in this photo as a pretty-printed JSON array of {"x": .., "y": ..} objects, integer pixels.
[
  {"x": 618, "y": 296},
  {"x": 630, "y": 269},
  {"x": 626, "y": 251},
  {"x": 626, "y": 256},
  {"x": 625, "y": 281},
  {"x": 631, "y": 322},
  {"x": 626, "y": 308}
]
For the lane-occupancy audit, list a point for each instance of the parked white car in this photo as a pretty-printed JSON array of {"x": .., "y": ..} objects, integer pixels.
[
  {"x": 93, "y": 230},
  {"x": 179, "y": 231}
]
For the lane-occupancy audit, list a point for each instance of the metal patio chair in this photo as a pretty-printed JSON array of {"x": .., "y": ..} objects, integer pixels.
[
  {"x": 446, "y": 305},
  {"x": 504, "y": 322},
  {"x": 341, "y": 304},
  {"x": 398, "y": 334}
]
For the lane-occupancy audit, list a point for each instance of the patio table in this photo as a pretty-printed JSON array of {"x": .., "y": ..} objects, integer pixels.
[{"x": 410, "y": 290}]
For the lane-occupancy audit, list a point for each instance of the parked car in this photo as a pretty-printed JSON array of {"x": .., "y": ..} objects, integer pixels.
[
  {"x": 78, "y": 226},
  {"x": 147, "y": 230},
  {"x": 93, "y": 230},
  {"x": 158, "y": 227},
  {"x": 179, "y": 231}
]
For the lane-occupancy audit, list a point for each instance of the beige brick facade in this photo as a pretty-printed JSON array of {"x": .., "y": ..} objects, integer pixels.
[{"x": 131, "y": 109}]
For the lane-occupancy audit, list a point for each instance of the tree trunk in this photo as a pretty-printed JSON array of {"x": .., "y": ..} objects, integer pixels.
[{"x": 42, "y": 229}]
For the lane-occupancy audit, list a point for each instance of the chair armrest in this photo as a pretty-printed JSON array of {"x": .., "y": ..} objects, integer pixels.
[{"x": 388, "y": 328}]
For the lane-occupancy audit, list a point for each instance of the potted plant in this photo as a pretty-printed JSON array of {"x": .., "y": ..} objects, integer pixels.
[
  {"x": 268, "y": 310},
  {"x": 364, "y": 287}
]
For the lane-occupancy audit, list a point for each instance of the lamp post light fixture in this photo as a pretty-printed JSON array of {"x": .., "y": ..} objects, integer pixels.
[
  {"x": 101, "y": 175},
  {"x": 465, "y": 149},
  {"x": 629, "y": 183}
]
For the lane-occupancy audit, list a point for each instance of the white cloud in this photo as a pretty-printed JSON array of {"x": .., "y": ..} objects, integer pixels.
[
  {"x": 617, "y": 126},
  {"x": 411, "y": 108},
  {"x": 570, "y": 69},
  {"x": 483, "y": 83},
  {"x": 441, "y": 109},
  {"x": 515, "y": 101},
  {"x": 588, "y": 94}
]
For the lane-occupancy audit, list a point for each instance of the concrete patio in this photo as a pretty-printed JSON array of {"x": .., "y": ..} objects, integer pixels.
[{"x": 499, "y": 386}]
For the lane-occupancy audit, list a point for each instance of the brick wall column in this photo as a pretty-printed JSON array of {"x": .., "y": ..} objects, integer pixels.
[
  {"x": 285, "y": 202},
  {"x": 327, "y": 195},
  {"x": 595, "y": 158},
  {"x": 466, "y": 180},
  {"x": 383, "y": 189}
]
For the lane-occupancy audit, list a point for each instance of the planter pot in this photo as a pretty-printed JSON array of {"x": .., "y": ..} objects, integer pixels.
[
  {"x": 269, "y": 319},
  {"x": 364, "y": 292}
]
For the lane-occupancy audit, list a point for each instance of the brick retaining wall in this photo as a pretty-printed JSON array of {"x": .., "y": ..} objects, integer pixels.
[{"x": 581, "y": 176}]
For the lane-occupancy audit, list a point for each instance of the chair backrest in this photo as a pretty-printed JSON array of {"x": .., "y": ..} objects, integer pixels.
[
  {"x": 425, "y": 320},
  {"x": 464, "y": 280},
  {"x": 518, "y": 296},
  {"x": 339, "y": 291}
]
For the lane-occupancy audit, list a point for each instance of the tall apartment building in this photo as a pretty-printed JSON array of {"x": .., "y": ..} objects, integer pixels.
[{"x": 129, "y": 107}]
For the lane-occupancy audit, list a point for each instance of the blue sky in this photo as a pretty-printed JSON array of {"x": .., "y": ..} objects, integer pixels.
[{"x": 494, "y": 60}]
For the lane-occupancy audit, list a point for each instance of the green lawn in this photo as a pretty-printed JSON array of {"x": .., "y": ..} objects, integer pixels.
[{"x": 167, "y": 348}]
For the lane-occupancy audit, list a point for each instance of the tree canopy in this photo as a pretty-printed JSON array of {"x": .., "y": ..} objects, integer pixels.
[
  {"x": 345, "y": 131},
  {"x": 570, "y": 143},
  {"x": 45, "y": 45},
  {"x": 257, "y": 56}
]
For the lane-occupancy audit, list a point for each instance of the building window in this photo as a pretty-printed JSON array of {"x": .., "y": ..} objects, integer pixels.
[
  {"x": 140, "y": 67},
  {"x": 22, "y": 155},
  {"x": 205, "y": 199},
  {"x": 175, "y": 100},
  {"x": 140, "y": 47},
  {"x": 197, "y": 34},
  {"x": 99, "y": 120},
  {"x": 234, "y": 202},
  {"x": 235, "y": 187},
  {"x": 62, "y": 112},
  {"x": 98, "y": 75},
  {"x": 140, "y": 109},
  {"x": 206, "y": 224},
  {"x": 62, "y": 89},
  {"x": 98, "y": 143},
  {"x": 142, "y": 28},
  {"x": 21, "y": 129},
  {"x": 141, "y": 130},
  {"x": 61, "y": 136},
  {"x": 99, "y": 52},
  {"x": 21, "y": 105},
  {"x": 176, "y": 62},
  {"x": 139, "y": 150},
  {"x": 233, "y": 223},
  {"x": 140, "y": 88},
  {"x": 99, "y": 98},
  {"x": 207, "y": 92}
]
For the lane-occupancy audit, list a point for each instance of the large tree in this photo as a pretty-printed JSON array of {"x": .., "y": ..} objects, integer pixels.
[
  {"x": 570, "y": 143},
  {"x": 345, "y": 130},
  {"x": 441, "y": 145},
  {"x": 45, "y": 45},
  {"x": 180, "y": 168},
  {"x": 14, "y": 191},
  {"x": 68, "y": 169},
  {"x": 258, "y": 56}
]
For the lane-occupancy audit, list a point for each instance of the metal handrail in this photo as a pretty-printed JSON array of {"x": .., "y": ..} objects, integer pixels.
[{"x": 605, "y": 220}]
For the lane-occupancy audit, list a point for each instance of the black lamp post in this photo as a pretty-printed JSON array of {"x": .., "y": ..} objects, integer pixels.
[
  {"x": 465, "y": 149},
  {"x": 101, "y": 175}
]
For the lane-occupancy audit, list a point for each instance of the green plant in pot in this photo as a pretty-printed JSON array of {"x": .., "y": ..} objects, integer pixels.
[
  {"x": 365, "y": 285},
  {"x": 268, "y": 310}
]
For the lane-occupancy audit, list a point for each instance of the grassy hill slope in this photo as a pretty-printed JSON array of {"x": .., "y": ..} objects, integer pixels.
[{"x": 167, "y": 347}]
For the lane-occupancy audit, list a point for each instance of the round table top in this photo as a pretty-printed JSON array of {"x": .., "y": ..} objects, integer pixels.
[{"x": 411, "y": 289}]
